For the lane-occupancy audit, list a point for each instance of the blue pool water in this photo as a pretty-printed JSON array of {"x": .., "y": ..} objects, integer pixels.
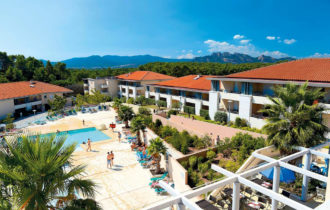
[{"x": 81, "y": 135}]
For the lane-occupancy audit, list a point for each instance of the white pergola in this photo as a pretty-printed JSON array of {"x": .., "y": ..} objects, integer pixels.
[{"x": 183, "y": 199}]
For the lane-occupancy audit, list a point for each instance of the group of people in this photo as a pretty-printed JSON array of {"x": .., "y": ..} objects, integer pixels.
[{"x": 110, "y": 157}]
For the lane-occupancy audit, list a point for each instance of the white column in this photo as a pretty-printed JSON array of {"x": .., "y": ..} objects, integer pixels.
[
  {"x": 183, "y": 102},
  {"x": 213, "y": 103},
  {"x": 156, "y": 96},
  {"x": 276, "y": 185},
  {"x": 147, "y": 93},
  {"x": 236, "y": 195},
  {"x": 327, "y": 194},
  {"x": 120, "y": 91},
  {"x": 304, "y": 189},
  {"x": 245, "y": 106},
  {"x": 198, "y": 106},
  {"x": 127, "y": 92},
  {"x": 169, "y": 101},
  {"x": 134, "y": 92}
]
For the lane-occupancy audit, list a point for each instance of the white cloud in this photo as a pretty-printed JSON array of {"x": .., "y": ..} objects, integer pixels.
[
  {"x": 186, "y": 56},
  {"x": 167, "y": 56},
  {"x": 320, "y": 55},
  {"x": 199, "y": 51},
  {"x": 289, "y": 41},
  {"x": 270, "y": 37},
  {"x": 237, "y": 36},
  {"x": 250, "y": 49},
  {"x": 244, "y": 41},
  {"x": 275, "y": 54}
]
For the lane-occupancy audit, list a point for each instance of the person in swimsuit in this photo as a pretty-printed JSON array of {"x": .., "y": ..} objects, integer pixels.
[
  {"x": 89, "y": 145},
  {"x": 119, "y": 136},
  {"x": 108, "y": 160},
  {"x": 112, "y": 156}
]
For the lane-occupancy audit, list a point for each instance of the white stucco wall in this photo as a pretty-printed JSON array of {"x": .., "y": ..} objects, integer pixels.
[{"x": 6, "y": 106}]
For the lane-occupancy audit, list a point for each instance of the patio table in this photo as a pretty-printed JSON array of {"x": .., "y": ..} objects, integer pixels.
[{"x": 254, "y": 204}]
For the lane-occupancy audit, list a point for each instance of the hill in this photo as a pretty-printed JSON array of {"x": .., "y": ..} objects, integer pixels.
[{"x": 115, "y": 61}]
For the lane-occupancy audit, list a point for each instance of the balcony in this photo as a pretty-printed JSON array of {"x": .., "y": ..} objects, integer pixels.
[
  {"x": 28, "y": 104},
  {"x": 230, "y": 96}
]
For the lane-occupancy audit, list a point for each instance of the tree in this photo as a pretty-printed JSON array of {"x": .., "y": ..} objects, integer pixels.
[
  {"x": 9, "y": 121},
  {"x": 156, "y": 148},
  {"x": 116, "y": 103},
  {"x": 125, "y": 113},
  {"x": 294, "y": 119},
  {"x": 161, "y": 103},
  {"x": 36, "y": 170},
  {"x": 57, "y": 104},
  {"x": 176, "y": 105},
  {"x": 137, "y": 125},
  {"x": 144, "y": 111},
  {"x": 13, "y": 74},
  {"x": 141, "y": 100},
  {"x": 220, "y": 117}
]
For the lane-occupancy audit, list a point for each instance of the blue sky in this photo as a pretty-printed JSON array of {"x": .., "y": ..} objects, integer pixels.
[{"x": 63, "y": 29}]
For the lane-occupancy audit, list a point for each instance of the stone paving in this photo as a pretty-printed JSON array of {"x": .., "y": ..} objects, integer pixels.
[{"x": 126, "y": 186}]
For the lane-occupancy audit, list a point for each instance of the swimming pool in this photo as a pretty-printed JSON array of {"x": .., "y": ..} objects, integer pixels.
[{"x": 81, "y": 135}]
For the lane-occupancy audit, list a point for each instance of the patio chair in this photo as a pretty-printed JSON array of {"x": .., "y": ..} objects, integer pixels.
[
  {"x": 320, "y": 193},
  {"x": 285, "y": 193},
  {"x": 249, "y": 191},
  {"x": 264, "y": 201},
  {"x": 159, "y": 178},
  {"x": 213, "y": 199}
]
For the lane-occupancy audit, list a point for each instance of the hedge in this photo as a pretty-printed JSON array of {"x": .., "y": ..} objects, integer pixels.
[{"x": 189, "y": 109}]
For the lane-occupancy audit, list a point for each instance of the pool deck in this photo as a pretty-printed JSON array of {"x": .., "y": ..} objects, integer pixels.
[{"x": 126, "y": 186}]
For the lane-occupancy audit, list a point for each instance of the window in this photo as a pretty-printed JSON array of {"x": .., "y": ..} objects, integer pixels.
[{"x": 215, "y": 85}]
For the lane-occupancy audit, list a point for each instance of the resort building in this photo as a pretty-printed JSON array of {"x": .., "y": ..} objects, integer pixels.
[
  {"x": 191, "y": 90},
  {"x": 130, "y": 85},
  {"x": 21, "y": 98},
  {"x": 244, "y": 94}
]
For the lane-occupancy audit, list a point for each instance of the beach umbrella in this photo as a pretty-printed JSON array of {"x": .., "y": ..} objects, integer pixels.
[{"x": 286, "y": 175}]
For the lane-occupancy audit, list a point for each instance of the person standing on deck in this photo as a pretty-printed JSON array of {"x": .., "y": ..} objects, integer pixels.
[
  {"x": 108, "y": 160},
  {"x": 89, "y": 145},
  {"x": 119, "y": 136},
  {"x": 112, "y": 156}
]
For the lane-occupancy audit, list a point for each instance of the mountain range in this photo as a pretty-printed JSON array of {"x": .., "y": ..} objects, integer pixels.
[{"x": 115, "y": 61}]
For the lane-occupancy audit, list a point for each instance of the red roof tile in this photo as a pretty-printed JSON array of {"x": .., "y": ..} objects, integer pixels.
[
  {"x": 189, "y": 82},
  {"x": 21, "y": 89},
  {"x": 311, "y": 69},
  {"x": 144, "y": 75}
]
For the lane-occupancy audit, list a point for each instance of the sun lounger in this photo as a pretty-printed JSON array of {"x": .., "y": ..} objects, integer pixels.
[{"x": 159, "y": 178}]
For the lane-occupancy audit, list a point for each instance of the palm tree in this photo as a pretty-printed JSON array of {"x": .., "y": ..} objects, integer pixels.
[
  {"x": 125, "y": 113},
  {"x": 295, "y": 117},
  {"x": 137, "y": 125},
  {"x": 38, "y": 173},
  {"x": 116, "y": 103},
  {"x": 156, "y": 148}
]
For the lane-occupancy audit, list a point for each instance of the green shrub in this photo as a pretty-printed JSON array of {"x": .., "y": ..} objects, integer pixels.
[
  {"x": 184, "y": 164},
  {"x": 210, "y": 175},
  {"x": 239, "y": 122},
  {"x": 161, "y": 103},
  {"x": 203, "y": 167},
  {"x": 189, "y": 109},
  {"x": 150, "y": 101},
  {"x": 130, "y": 101},
  {"x": 166, "y": 131},
  {"x": 172, "y": 112},
  {"x": 192, "y": 161},
  {"x": 200, "y": 159},
  {"x": 141, "y": 100},
  {"x": 210, "y": 155},
  {"x": 204, "y": 113},
  {"x": 184, "y": 147},
  {"x": 123, "y": 99},
  {"x": 144, "y": 111},
  {"x": 158, "y": 123},
  {"x": 176, "y": 105},
  {"x": 203, "y": 142},
  {"x": 220, "y": 117}
]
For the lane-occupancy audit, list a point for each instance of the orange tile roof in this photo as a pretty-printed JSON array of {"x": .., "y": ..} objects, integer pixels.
[
  {"x": 21, "y": 89},
  {"x": 311, "y": 69},
  {"x": 144, "y": 75},
  {"x": 189, "y": 82}
]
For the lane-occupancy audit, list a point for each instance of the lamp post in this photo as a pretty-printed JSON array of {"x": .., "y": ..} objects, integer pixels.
[{"x": 229, "y": 102}]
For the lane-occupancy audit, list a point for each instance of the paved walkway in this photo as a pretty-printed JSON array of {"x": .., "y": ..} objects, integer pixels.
[
  {"x": 201, "y": 128},
  {"x": 126, "y": 186}
]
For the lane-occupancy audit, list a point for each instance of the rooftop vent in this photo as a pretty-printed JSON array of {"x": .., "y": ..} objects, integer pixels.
[
  {"x": 197, "y": 77},
  {"x": 32, "y": 86},
  {"x": 32, "y": 82}
]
